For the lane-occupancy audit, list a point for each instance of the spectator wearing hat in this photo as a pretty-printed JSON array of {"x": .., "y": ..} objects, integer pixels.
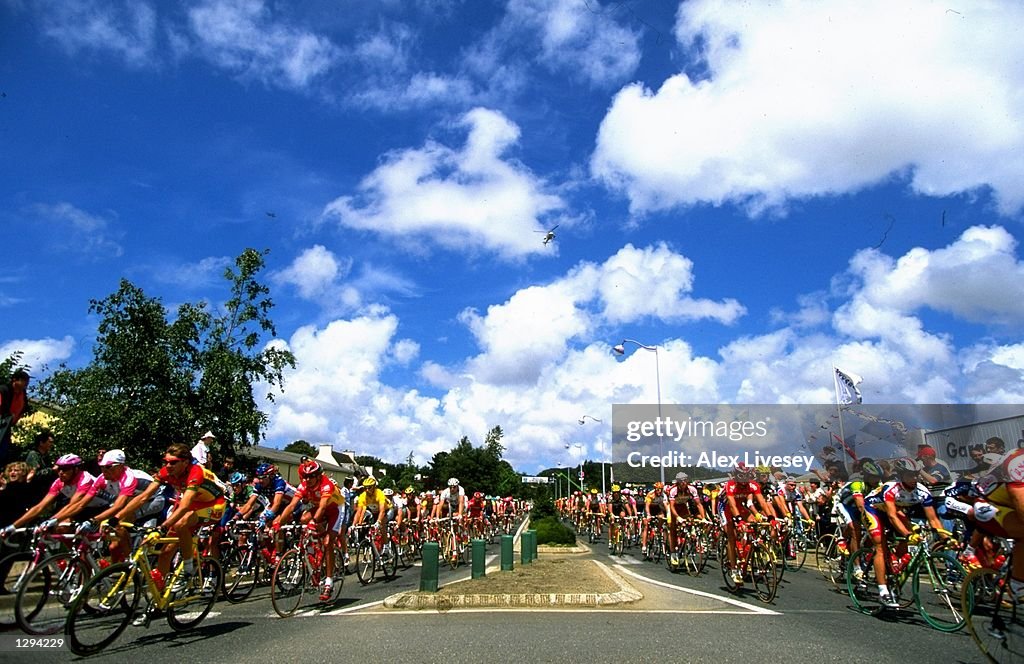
[
  {"x": 13, "y": 405},
  {"x": 201, "y": 451},
  {"x": 933, "y": 471}
]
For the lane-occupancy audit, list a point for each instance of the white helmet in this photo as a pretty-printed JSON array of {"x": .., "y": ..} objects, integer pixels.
[
  {"x": 389, "y": 492},
  {"x": 453, "y": 482}
]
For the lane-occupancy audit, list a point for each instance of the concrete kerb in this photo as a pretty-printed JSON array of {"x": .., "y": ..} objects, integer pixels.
[{"x": 416, "y": 601}]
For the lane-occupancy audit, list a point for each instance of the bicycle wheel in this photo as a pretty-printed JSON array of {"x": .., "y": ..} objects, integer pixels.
[
  {"x": 763, "y": 572},
  {"x": 14, "y": 569},
  {"x": 797, "y": 548},
  {"x": 366, "y": 563},
  {"x": 389, "y": 560},
  {"x": 994, "y": 621},
  {"x": 861, "y": 583},
  {"x": 43, "y": 599},
  {"x": 187, "y": 612},
  {"x": 696, "y": 553},
  {"x": 828, "y": 559},
  {"x": 103, "y": 609},
  {"x": 938, "y": 593},
  {"x": 241, "y": 568},
  {"x": 288, "y": 583},
  {"x": 656, "y": 548},
  {"x": 727, "y": 567}
]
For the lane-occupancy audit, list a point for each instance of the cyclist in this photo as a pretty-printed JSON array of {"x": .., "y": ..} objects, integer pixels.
[
  {"x": 325, "y": 494},
  {"x": 654, "y": 506},
  {"x": 1000, "y": 511},
  {"x": 452, "y": 501},
  {"x": 200, "y": 500},
  {"x": 595, "y": 508},
  {"x": 372, "y": 503},
  {"x": 121, "y": 483},
  {"x": 396, "y": 513},
  {"x": 70, "y": 492},
  {"x": 886, "y": 508},
  {"x": 849, "y": 502},
  {"x": 683, "y": 502},
  {"x": 741, "y": 495}
]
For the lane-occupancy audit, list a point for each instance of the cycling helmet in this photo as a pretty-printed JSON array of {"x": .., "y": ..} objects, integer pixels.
[
  {"x": 763, "y": 470},
  {"x": 871, "y": 469},
  {"x": 69, "y": 460},
  {"x": 743, "y": 472},
  {"x": 266, "y": 470},
  {"x": 236, "y": 478},
  {"x": 409, "y": 489},
  {"x": 453, "y": 481},
  {"x": 658, "y": 485},
  {"x": 905, "y": 466},
  {"x": 310, "y": 469},
  {"x": 369, "y": 481},
  {"x": 698, "y": 485},
  {"x": 594, "y": 490},
  {"x": 389, "y": 492},
  {"x": 626, "y": 492},
  {"x": 477, "y": 495},
  {"x": 682, "y": 477},
  {"x": 616, "y": 488}
]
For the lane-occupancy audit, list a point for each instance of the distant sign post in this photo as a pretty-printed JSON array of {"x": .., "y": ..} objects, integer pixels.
[{"x": 536, "y": 480}]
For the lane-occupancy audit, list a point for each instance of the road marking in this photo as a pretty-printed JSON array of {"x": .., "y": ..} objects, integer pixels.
[
  {"x": 533, "y": 609},
  {"x": 700, "y": 593},
  {"x": 350, "y": 609},
  {"x": 625, "y": 561}
]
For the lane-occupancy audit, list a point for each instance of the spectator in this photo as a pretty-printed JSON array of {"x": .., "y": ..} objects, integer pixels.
[
  {"x": 38, "y": 458},
  {"x": 933, "y": 472},
  {"x": 201, "y": 451},
  {"x": 13, "y": 405},
  {"x": 995, "y": 445},
  {"x": 977, "y": 453},
  {"x": 15, "y": 492},
  {"x": 226, "y": 468}
]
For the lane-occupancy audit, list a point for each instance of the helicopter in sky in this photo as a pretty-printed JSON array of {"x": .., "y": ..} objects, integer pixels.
[{"x": 549, "y": 235}]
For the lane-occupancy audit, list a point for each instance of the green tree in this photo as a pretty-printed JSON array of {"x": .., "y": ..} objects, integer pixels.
[
  {"x": 300, "y": 447},
  {"x": 152, "y": 382}
]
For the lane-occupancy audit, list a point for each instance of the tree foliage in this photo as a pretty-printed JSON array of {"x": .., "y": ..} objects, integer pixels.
[
  {"x": 301, "y": 447},
  {"x": 152, "y": 381},
  {"x": 478, "y": 468}
]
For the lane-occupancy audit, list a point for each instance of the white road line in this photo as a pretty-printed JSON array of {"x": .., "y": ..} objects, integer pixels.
[
  {"x": 728, "y": 600},
  {"x": 350, "y": 609},
  {"x": 536, "y": 609}
]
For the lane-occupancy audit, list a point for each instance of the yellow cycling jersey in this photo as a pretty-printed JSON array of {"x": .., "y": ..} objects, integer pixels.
[{"x": 374, "y": 501}]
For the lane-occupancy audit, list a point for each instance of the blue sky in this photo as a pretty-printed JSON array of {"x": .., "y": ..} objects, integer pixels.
[{"x": 760, "y": 191}]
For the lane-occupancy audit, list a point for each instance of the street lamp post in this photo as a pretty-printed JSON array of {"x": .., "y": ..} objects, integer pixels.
[
  {"x": 581, "y": 421},
  {"x": 621, "y": 350},
  {"x": 579, "y": 447}
]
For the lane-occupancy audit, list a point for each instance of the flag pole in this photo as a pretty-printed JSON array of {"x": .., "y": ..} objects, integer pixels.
[{"x": 839, "y": 413}]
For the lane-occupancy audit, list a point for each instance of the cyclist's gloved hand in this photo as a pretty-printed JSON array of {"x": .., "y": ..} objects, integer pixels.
[
  {"x": 267, "y": 515},
  {"x": 914, "y": 538},
  {"x": 48, "y": 524},
  {"x": 311, "y": 526},
  {"x": 86, "y": 527},
  {"x": 944, "y": 534},
  {"x": 7, "y": 531}
]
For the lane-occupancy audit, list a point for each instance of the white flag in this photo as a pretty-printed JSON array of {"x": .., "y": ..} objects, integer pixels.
[{"x": 847, "y": 387}]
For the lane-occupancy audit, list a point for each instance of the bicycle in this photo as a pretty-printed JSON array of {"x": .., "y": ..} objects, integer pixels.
[
  {"x": 304, "y": 568},
  {"x": 249, "y": 563},
  {"x": 754, "y": 560},
  {"x": 375, "y": 552},
  {"x": 106, "y": 604},
  {"x": 616, "y": 526},
  {"x": 51, "y": 585},
  {"x": 993, "y": 616},
  {"x": 656, "y": 539},
  {"x": 936, "y": 577},
  {"x": 692, "y": 545}
]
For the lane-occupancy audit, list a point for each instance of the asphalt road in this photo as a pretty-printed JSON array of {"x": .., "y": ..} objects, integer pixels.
[{"x": 680, "y": 619}]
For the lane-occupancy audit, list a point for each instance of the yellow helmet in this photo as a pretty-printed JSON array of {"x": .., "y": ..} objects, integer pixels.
[
  {"x": 369, "y": 481},
  {"x": 616, "y": 488}
]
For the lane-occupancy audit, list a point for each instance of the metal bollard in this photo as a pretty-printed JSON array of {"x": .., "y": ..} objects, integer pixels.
[
  {"x": 479, "y": 558},
  {"x": 428, "y": 573},
  {"x": 507, "y": 552}
]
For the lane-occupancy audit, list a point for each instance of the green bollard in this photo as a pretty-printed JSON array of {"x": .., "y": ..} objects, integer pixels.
[
  {"x": 533, "y": 544},
  {"x": 428, "y": 573},
  {"x": 525, "y": 553},
  {"x": 507, "y": 552},
  {"x": 479, "y": 558}
]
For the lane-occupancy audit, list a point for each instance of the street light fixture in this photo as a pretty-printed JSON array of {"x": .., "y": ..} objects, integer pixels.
[
  {"x": 621, "y": 350},
  {"x": 582, "y": 420},
  {"x": 578, "y": 446}
]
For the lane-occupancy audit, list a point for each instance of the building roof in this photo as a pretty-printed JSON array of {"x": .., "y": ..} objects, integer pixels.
[{"x": 345, "y": 464}]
